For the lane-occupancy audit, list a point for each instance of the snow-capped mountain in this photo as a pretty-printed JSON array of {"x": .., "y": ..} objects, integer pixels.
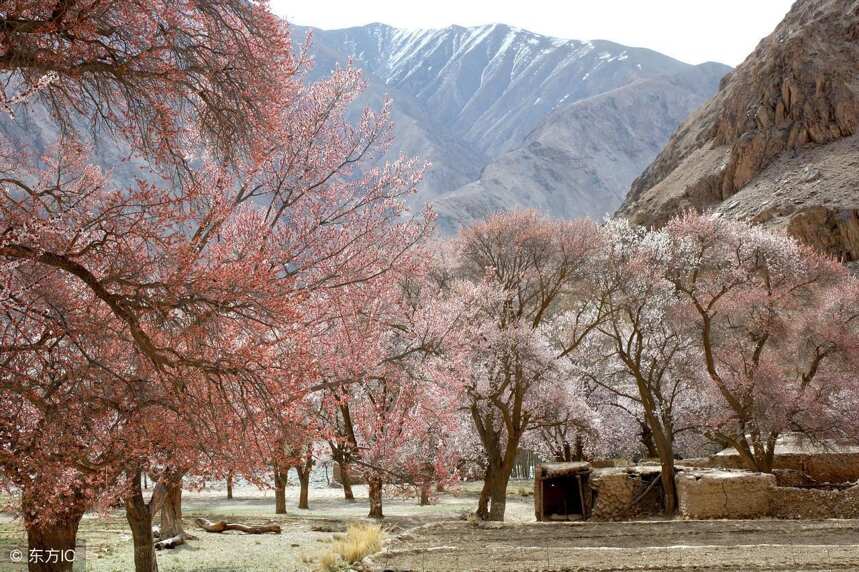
[{"x": 464, "y": 97}]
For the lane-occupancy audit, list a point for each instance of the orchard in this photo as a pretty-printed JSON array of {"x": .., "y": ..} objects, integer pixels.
[{"x": 257, "y": 297}]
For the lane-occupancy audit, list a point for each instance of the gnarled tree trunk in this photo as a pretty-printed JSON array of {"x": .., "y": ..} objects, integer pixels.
[
  {"x": 482, "y": 511},
  {"x": 139, "y": 516},
  {"x": 171, "y": 510},
  {"x": 279, "y": 490},
  {"x": 57, "y": 533},
  {"x": 498, "y": 496},
  {"x": 375, "y": 484}
]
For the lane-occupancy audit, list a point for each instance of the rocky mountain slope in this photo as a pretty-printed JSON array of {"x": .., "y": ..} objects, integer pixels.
[
  {"x": 583, "y": 156},
  {"x": 778, "y": 143},
  {"x": 504, "y": 102}
]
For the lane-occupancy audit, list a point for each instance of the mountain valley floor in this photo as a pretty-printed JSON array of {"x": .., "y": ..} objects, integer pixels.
[{"x": 438, "y": 538}]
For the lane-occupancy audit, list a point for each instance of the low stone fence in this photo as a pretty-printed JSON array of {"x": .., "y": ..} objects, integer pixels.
[
  {"x": 820, "y": 467},
  {"x": 789, "y": 502}
]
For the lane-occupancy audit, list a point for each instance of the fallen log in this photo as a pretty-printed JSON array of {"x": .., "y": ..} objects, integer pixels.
[
  {"x": 170, "y": 543},
  {"x": 174, "y": 541},
  {"x": 221, "y": 526}
]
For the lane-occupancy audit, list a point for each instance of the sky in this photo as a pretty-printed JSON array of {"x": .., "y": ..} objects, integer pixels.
[{"x": 692, "y": 31}]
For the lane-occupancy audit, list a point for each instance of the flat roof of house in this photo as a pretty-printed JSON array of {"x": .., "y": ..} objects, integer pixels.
[
  {"x": 560, "y": 469},
  {"x": 798, "y": 444}
]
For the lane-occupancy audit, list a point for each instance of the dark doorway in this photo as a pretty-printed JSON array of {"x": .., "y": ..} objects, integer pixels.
[{"x": 563, "y": 498}]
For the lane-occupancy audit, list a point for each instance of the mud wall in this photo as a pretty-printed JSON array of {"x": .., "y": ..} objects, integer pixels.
[
  {"x": 722, "y": 494},
  {"x": 823, "y": 468}
]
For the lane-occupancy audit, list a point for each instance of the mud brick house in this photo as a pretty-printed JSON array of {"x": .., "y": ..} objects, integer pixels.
[
  {"x": 819, "y": 461},
  {"x": 577, "y": 491}
]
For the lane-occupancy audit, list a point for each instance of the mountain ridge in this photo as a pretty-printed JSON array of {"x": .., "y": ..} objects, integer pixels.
[{"x": 466, "y": 96}]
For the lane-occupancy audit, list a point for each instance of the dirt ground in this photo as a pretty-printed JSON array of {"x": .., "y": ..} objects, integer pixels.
[
  {"x": 646, "y": 545},
  {"x": 306, "y": 536},
  {"x": 436, "y": 538}
]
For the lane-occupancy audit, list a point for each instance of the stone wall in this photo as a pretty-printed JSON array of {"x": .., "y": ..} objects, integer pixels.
[
  {"x": 724, "y": 494},
  {"x": 617, "y": 492},
  {"x": 788, "y": 502}
]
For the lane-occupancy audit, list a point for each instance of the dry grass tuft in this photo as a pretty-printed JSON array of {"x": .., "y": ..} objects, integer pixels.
[
  {"x": 329, "y": 562},
  {"x": 361, "y": 540}
]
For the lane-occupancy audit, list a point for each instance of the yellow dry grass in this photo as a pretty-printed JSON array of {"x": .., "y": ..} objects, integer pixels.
[{"x": 361, "y": 539}]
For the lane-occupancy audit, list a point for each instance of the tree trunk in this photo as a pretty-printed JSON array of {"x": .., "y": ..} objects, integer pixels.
[
  {"x": 171, "y": 510},
  {"x": 426, "y": 477},
  {"x": 279, "y": 491},
  {"x": 669, "y": 486},
  {"x": 375, "y": 483},
  {"x": 45, "y": 540},
  {"x": 648, "y": 441},
  {"x": 665, "y": 449},
  {"x": 139, "y": 516},
  {"x": 758, "y": 456},
  {"x": 304, "y": 482},
  {"x": 46, "y": 537},
  {"x": 346, "y": 481},
  {"x": 580, "y": 449},
  {"x": 498, "y": 496},
  {"x": 425, "y": 493},
  {"x": 482, "y": 511},
  {"x": 230, "y": 486}
]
